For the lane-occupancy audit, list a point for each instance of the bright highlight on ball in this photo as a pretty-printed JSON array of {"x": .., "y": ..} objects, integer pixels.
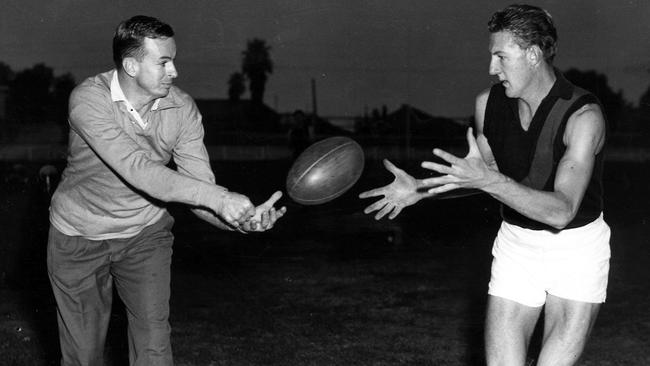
[{"x": 325, "y": 170}]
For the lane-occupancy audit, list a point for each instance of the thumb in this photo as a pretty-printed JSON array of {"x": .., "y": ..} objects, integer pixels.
[
  {"x": 271, "y": 201},
  {"x": 473, "y": 146},
  {"x": 391, "y": 167}
]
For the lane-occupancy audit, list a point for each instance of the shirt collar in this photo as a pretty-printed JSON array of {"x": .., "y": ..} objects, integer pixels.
[{"x": 117, "y": 94}]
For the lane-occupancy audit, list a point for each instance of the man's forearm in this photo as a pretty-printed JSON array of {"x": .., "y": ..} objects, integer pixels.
[
  {"x": 423, "y": 192},
  {"x": 211, "y": 219},
  {"x": 546, "y": 207}
]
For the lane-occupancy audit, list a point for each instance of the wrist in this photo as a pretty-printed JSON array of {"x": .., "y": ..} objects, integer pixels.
[
  {"x": 217, "y": 192},
  {"x": 211, "y": 196},
  {"x": 494, "y": 181}
]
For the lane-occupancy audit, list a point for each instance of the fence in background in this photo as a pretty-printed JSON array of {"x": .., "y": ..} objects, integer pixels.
[{"x": 57, "y": 152}]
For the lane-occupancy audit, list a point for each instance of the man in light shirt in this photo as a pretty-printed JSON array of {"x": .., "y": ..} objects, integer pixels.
[{"x": 108, "y": 222}]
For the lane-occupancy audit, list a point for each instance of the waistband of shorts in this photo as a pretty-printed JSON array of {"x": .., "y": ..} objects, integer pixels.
[{"x": 598, "y": 221}]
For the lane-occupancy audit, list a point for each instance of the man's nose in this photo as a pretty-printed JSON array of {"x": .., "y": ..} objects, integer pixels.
[
  {"x": 493, "y": 69},
  {"x": 171, "y": 70}
]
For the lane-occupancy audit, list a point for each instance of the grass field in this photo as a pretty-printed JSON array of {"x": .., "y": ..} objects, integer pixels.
[{"x": 329, "y": 286}]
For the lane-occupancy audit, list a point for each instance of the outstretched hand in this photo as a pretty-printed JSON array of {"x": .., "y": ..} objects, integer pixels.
[
  {"x": 468, "y": 172},
  {"x": 265, "y": 215},
  {"x": 402, "y": 192}
]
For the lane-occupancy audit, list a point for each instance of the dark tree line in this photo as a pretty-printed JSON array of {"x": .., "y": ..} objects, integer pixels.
[
  {"x": 615, "y": 106},
  {"x": 644, "y": 109},
  {"x": 36, "y": 95}
]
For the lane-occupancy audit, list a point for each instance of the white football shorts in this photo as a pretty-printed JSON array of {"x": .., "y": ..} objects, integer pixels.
[{"x": 572, "y": 264}]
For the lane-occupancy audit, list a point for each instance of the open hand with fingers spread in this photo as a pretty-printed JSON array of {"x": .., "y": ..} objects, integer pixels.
[
  {"x": 265, "y": 215},
  {"x": 402, "y": 192},
  {"x": 468, "y": 172}
]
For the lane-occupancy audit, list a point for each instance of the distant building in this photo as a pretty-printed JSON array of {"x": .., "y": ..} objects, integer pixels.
[
  {"x": 346, "y": 123},
  {"x": 242, "y": 122},
  {"x": 237, "y": 122},
  {"x": 411, "y": 121},
  {"x": 224, "y": 114}
]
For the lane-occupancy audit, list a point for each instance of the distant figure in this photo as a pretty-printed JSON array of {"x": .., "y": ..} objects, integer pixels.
[
  {"x": 48, "y": 174},
  {"x": 108, "y": 226},
  {"x": 299, "y": 136},
  {"x": 539, "y": 151}
]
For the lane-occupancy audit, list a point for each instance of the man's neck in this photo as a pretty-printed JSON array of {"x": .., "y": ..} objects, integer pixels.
[
  {"x": 132, "y": 92},
  {"x": 541, "y": 84}
]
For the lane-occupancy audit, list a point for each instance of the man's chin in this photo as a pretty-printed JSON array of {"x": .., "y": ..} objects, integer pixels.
[
  {"x": 163, "y": 92},
  {"x": 509, "y": 92}
]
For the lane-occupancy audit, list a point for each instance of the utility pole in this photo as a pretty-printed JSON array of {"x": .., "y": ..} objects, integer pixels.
[
  {"x": 314, "y": 107},
  {"x": 408, "y": 94},
  {"x": 314, "y": 111}
]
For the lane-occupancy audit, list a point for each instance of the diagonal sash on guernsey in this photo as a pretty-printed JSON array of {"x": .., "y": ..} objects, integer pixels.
[{"x": 542, "y": 164}]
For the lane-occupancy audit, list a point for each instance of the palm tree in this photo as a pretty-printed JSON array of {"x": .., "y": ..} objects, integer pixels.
[{"x": 256, "y": 65}]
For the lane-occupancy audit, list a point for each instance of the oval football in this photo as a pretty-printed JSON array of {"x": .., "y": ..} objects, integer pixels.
[{"x": 325, "y": 170}]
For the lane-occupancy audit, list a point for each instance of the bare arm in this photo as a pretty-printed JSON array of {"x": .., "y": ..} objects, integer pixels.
[
  {"x": 405, "y": 190},
  {"x": 584, "y": 138},
  {"x": 481, "y": 140}
]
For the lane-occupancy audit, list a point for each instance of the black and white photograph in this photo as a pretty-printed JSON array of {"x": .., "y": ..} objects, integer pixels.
[{"x": 320, "y": 183}]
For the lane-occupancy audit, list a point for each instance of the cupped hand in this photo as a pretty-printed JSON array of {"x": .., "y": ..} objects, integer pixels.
[
  {"x": 234, "y": 208},
  {"x": 265, "y": 215}
]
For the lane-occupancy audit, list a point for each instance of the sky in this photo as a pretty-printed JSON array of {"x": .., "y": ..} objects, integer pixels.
[{"x": 362, "y": 54}]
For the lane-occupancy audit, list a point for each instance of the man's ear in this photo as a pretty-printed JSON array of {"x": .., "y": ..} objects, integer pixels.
[
  {"x": 130, "y": 66},
  {"x": 534, "y": 55}
]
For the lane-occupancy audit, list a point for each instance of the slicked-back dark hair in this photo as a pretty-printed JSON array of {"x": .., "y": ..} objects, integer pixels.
[
  {"x": 130, "y": 34},
  {"x": 530, "y": 25}
]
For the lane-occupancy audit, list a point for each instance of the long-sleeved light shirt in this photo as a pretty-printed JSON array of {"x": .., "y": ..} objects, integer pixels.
[{"x": 116, "y": 171}]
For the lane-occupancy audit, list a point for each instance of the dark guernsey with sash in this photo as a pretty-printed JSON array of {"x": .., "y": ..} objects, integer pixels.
[{"x": 531, "y": 156}]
